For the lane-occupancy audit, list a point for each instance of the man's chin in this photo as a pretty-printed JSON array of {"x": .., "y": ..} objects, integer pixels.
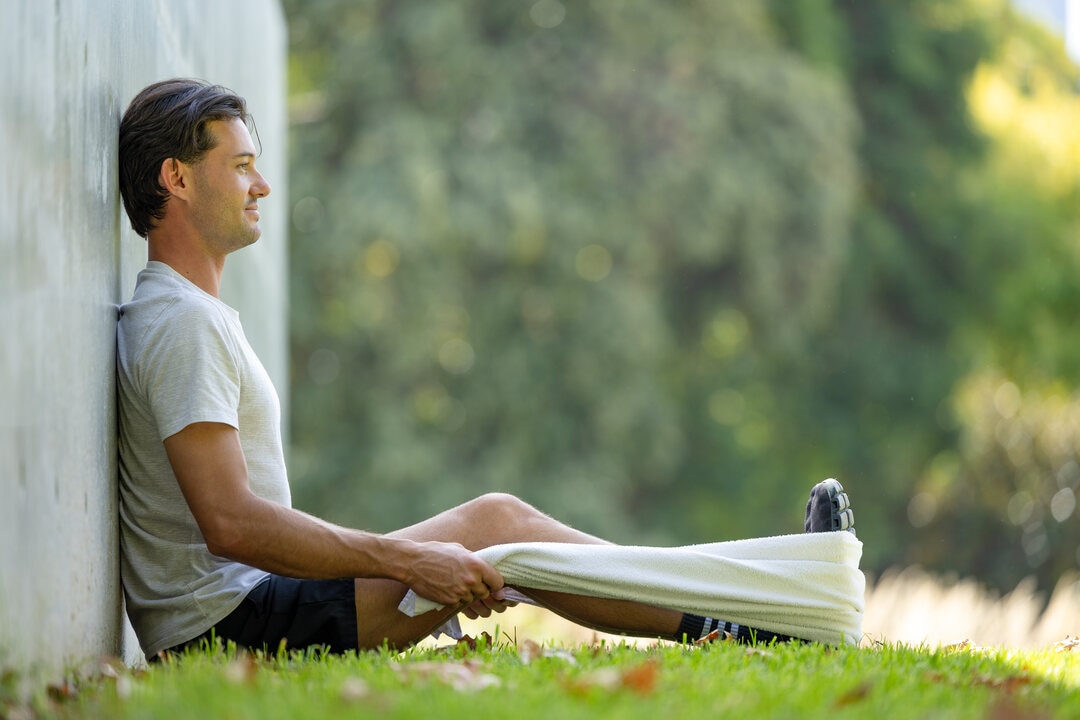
[{"x": 248, "y": 239}]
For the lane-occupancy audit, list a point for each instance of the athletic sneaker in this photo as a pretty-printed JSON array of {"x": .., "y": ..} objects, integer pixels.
[{"x": 829, "y": 508}]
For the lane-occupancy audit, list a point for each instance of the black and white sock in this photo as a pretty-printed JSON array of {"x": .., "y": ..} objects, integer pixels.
[{"x": 696, "y": 627}]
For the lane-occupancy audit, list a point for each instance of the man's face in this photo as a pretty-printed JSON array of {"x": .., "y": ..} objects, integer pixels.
[{"x": 227, "y": 189}]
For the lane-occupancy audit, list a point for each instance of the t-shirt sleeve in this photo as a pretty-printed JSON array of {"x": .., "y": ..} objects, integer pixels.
[{"x": 190, "y": 372}]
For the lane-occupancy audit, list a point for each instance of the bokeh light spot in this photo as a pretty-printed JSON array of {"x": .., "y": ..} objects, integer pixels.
[
  {"x": 381, "y": 259},
  {"x": 1007, "y": 399},
  {"x": 1063, "y": 504},
  {"x": 1021, "y": 507},
  {"x": 548, "y": 13},
  {"x": 726, "y": 407},
  {"x": 594, "y": 263},
  {"x": 323, "y": 366},
  {"x": 921, "y": 509},
  {"x": 726, "y": 334},
  {"x": 309, "y": 215},
  {"x": 456, "y": 356}
]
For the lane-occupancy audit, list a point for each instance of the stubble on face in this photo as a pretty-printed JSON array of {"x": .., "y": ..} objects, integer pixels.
[{"x": 228, "y": 188}]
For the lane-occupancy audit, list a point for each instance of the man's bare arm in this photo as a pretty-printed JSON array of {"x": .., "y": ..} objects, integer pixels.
[{"x": 209, "y": 464}]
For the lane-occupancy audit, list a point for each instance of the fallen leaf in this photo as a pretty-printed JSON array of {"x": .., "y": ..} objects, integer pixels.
[
  {"x": 936, "y": 677},
  {"x": 1007, "y": 709},
  {"x": 110, "y": 667},
  {"x": 642, "y": 679},
  {"x": 854, "y": 695},
  {"x": 559, "y": 654},
  {"x": 242, "y": 670},
  {"x": 63, "y": 690},
  {"x": 604, "y": 679},
  {"x": 463, "y": 677},
  {"x": 528, "y": 651},
  {"x": 966, "y": 645},
  {"x": 354, "y": 689},
  {"x": 1009, "y": 684},
  {"x": 711, "y": 637},
  {"x": 113, "y": 670},
  {"x": 1070, "y": 643}
]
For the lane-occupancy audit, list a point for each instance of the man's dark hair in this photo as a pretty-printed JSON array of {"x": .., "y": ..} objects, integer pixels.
[{"x": 167, "y": 120}]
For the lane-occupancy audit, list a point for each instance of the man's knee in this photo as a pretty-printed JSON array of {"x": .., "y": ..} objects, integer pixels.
[{"x": 500, "y": 509}]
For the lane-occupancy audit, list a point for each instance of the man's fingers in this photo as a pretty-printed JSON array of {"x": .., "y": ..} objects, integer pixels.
[
  {"x": 452, "y": 575},
  {"x": 491, "y": 578}
]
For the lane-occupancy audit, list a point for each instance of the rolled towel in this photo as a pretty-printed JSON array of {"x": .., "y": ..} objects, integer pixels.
[{"x": 806, "y": 585}]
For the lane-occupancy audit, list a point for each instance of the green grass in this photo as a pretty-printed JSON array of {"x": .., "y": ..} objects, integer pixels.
[{"x": 522, "y": 680}]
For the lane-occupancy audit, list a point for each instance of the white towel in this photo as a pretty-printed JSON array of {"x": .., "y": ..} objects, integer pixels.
[{"x": 806, "y": 585}]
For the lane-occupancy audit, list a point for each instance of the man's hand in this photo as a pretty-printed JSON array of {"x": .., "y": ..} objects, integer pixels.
[
  {"x": 451, "y": 575},
  {"x": 495, "y": 602}
]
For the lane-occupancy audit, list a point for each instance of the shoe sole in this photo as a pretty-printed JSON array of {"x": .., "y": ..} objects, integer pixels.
[{"x": 842, "y": 516}]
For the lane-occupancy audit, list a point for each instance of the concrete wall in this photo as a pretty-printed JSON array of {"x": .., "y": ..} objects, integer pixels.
[{"x": 68, "y": 68}]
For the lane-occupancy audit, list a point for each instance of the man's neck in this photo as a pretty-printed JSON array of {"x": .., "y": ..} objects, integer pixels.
[{"x": 202, "y": 270}]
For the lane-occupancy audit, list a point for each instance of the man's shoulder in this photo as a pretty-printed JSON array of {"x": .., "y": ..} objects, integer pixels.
[
  {"x": 162, "y": 298},
  {"x": 171, "y": 319}
]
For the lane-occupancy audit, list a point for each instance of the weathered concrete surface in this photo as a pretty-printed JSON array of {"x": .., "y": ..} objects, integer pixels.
[{"x": 68, "y": 68}]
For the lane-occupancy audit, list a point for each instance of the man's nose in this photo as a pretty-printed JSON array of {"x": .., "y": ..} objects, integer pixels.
[{"x": 261, "y": 188}]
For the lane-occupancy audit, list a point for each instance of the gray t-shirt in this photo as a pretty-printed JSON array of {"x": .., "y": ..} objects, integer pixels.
[{"x": 182, "y": 358}]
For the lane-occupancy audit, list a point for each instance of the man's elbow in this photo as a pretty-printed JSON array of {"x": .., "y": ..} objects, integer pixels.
[{"x": 226, "y": 539}]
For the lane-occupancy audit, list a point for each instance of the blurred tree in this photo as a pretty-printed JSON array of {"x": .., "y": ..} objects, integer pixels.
[
  {"x": 532, "y": 237},
  {"x": 964, "y": 240},
  {"x": 658, "y": 268},
  {"x": 865, "y": 398},
  {"x": 1013, "y": 478}
]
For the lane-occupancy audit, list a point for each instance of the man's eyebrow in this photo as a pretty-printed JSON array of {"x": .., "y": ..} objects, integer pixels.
[{"x": 244, "y": 154}]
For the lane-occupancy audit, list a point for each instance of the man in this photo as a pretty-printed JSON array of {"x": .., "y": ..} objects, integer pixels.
[{"x": 210, "y": 543}]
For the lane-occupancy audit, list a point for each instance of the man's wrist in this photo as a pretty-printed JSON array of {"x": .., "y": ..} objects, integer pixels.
[{"x": 396, "y": 557}]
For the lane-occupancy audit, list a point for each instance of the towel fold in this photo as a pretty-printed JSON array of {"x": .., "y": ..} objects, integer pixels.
[{"x": 806, "y": 585}]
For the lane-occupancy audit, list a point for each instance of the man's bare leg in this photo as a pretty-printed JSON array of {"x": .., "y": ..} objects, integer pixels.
[{"x": 495, "y": 519}]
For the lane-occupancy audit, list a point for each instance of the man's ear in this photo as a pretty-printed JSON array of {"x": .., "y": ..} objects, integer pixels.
[{"x": 175, "y": 177}]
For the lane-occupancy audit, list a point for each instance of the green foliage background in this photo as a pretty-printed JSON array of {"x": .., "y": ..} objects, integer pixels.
[{"x": 658, "y": 267}]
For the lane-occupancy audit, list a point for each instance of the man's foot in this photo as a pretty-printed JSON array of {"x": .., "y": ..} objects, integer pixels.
[{"x": 829, "y": 508}]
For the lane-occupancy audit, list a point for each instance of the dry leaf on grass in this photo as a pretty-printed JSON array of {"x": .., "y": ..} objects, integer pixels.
[
  {"x": 354, "y": 689},
  {"x": 854, "y": 695},
  {"x": 529, "y": 650},
  {"x": 641, "y": 679},
  {"x": 242, "y": 670},
  {"x": 465, "y": 676},
  {"x": 112, "y": 670},
  {"x": 1070, "y": 643},
  {"x": 1007, "y": 709},
  {"x": 715, "y": 636},
  {"x": 63, "y": 690},
  {"x": 1008, "y": 685}
]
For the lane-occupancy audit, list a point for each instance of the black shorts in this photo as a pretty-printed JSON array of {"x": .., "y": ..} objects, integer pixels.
[{"x": 303, "y": 613}]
